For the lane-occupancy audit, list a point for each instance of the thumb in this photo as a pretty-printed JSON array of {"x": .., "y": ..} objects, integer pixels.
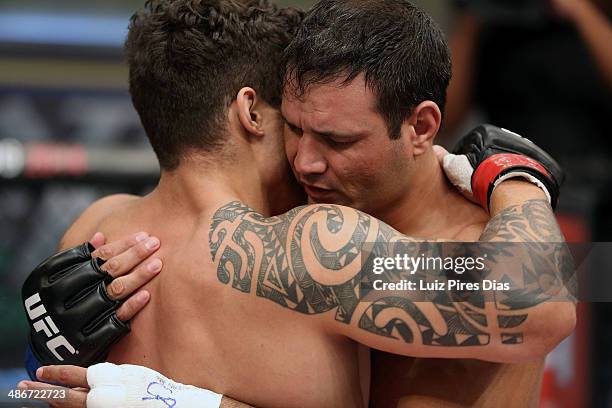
[{"x": 97, "y": 240}]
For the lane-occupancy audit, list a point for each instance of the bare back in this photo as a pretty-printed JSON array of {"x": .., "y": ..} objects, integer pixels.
[
  {"x": 199, "y": 331},
  {"x": 203, "y": 329}
]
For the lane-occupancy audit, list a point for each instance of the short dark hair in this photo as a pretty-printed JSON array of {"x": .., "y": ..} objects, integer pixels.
[
  {"x": 400, "y": 49},
  {"x": 189, "y": 58}
]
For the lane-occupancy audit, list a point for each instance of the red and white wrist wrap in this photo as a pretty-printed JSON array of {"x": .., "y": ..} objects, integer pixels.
[{"x": 499, "y": 167}]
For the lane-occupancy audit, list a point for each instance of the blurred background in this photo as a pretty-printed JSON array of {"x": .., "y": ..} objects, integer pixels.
[{"x": 69, "y": 135}]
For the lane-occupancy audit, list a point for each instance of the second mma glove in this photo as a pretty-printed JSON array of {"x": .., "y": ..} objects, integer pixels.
[
  {"x": 488, "y": 155},
  {"x": 72, "y": 320}
]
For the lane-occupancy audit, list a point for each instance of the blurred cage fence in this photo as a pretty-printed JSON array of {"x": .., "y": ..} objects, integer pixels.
[{"x": 69, "y": 135}]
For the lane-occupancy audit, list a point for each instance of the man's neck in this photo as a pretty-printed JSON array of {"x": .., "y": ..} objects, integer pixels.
[
  {"x": 432, "y": 208},
  {"x": 196, "y": 187}
]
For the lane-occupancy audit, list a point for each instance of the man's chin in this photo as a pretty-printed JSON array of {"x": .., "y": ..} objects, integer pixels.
[{"x": 331, "y": 199}]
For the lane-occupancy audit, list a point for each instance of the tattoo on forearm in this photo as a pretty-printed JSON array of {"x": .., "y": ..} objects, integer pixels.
[
  {"x": 281, "y": 253},
  {"x": 549, "y": 269}
]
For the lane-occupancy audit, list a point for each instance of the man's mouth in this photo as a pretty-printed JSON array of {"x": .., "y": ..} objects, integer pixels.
[{"x": 317, "y": 193}]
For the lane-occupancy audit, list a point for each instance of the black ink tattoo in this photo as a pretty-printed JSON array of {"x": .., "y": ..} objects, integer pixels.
[
  {"x": 283, "y": 275},
  {"x": 282, "y": 253}
]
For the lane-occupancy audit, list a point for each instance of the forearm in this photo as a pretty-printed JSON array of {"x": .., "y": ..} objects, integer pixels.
[
  {"x": 595, "y": 29},
  {"x": 542, "y": 257},
  {"x": 523, "y": 215},
  {"x": 510, "y": 194},
  {"x": 522, "y": 323}
]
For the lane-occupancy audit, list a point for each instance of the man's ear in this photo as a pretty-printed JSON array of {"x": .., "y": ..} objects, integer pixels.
[
  {"x": 425, "y": 120},
  {"x": 249, "y": 114}
]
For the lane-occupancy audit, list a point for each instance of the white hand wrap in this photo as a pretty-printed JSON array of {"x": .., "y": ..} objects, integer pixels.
[
  {"x": 459, "y": 172},
  {"x": 131, "y": 386}
]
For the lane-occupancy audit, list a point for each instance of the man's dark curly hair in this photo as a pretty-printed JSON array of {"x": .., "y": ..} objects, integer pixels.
[
  {"x": 189, "y": 58},
  {"x": 399, "y": 48}
]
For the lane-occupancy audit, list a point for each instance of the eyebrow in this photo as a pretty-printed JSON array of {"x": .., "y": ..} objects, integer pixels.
[
  {"x": 322, "y": 133},
  {"x": 289, "y": 123},
  {"x": 338, "y": 135}
]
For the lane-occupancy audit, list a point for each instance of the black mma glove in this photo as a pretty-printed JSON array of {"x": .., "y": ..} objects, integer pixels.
[
  {"x": 72, "y": 319},
  {"x": 497, "y": 154}
]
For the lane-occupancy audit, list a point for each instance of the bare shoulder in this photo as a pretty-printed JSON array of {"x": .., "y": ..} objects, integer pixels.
[{"x": 87, "y": 223}]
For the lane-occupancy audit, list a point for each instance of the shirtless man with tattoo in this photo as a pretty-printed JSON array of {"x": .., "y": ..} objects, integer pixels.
[
  {"x": 345, "y": 152},
  {"x": 269, "y": 310}
]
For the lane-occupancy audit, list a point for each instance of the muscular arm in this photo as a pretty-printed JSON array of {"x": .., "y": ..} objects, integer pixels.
[
  {"x": 309, "y": 261},
  {"x": 406, "y": 382}
]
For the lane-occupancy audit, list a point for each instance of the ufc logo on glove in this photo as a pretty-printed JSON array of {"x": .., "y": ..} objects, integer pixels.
[
  {"x": 46, "y": 325},
  {"x": 67, "y": 293}
]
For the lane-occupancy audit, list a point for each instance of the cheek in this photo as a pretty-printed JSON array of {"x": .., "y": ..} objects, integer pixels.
[
  {"x": 377, "y": 170},
  {"x": 290, "y": 146},
  {"x": 356, "y": 172}
]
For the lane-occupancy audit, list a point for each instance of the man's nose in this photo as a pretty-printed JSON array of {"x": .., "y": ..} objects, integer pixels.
[{"x": 309, "y": 159}]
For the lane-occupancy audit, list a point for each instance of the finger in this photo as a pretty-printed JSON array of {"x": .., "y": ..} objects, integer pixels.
[
  {"x": 97, "y": 240},
  {"x": 69, "y": 375},
  {"x": 122, "y": 287},
  {"x": 133, "y": 305},
  {"x": 126, "y": 261},
  {"x": 114, "y": 248},
  {"x": 56, "y": 397}
]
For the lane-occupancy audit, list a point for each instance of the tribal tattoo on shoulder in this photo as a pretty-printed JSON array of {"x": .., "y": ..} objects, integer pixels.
[
  {"x": 276, "y": 256},
  {"x": 283, "y": 274}
]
